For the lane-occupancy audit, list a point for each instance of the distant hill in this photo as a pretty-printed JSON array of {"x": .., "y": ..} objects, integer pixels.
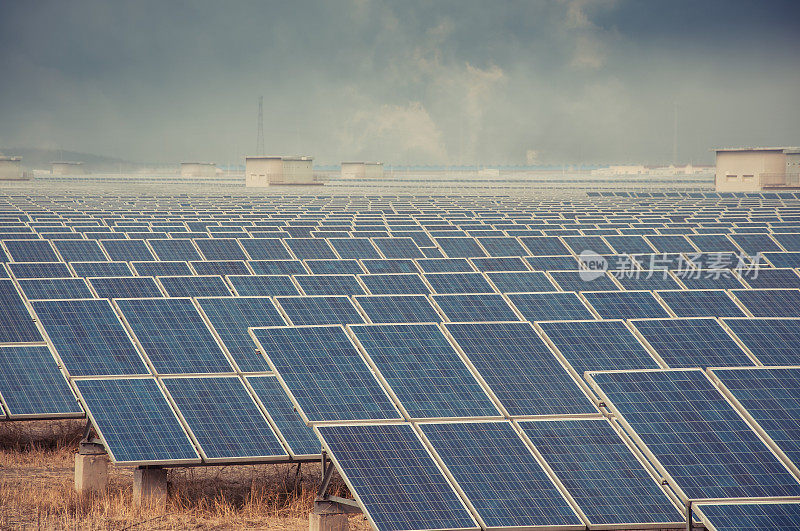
[{"x": 40, "y": 159}]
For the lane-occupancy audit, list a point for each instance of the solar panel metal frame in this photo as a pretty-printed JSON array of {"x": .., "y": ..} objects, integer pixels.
[
  {"x": 709, "y": 525},
  {"x": 660, "y": 304},
  {"x": 745, "y": 292},
  {"x": 365, "y": 313},
  {"x": 433, "y": 298},
  {"x": 725, "y": 321},
  {"x": 66, "y": 280},
  {"x": 287, "y": 317},
  {"x": 557, "y": 294}
]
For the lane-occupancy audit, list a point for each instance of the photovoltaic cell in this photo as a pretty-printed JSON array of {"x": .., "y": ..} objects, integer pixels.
[
  {"x": 499, "y": 475},
  {"x": 220, "y": 249},
  {"x": 277, "y": 267},
  {"x": 31, "y": 251},
  {"x": 79, "y": 250},
  {"x": 445, "y": 265},
  {"x": 451, "y": 283},
  {"x": 89, "y": 337},
  {"x": 398, "y": 309},
  {"x": 31, "y": 385},
  {"x": 224, "y": 418},
  {"x": 263, "y": 285},
  {"x": 601, "y": 473},
  {"x": 127, "y": 414},
  {"x": 701, "y": 303},
  {"x": 502, "y": 246},
  {"x": 265, "y": 248},
  {"x": 345, "y": 390},
  {"x": 157, "y": 269},
  {"x": 395, "y": 284},
  {"x": 319, "y": 310},
  {"x": 386, "y": 266},
  {"x": 329, "y": 285},
  {"x": 696, "y": 435},
  {"x": 127, "y": 250},
  {"x": 220, "y": 267},
  {"x": 125, "y": 287},
  {"x": 752, "y": 516},
  {"x": 195, "y": 286},
  {"x": 101, "y": 269},
  {"x": 502, "y": 263},
  {"x": 474, "y": 308},
  {"x": 424, "y": 371},
  {"x": 232, "y": 316},
  {"x": 395, "y": 478},
  {"x": 516, "y": 282},
  {"x": 175, "y": 250},
  {"x": 772, "y": 341},
  {"x": 770, "y": 302},
  {"x": 397, "y": 247},
  {"x": 174, "y": 336},
  {"x": 310, "y": 248},
  {"x": 625, "y": 304},
  {"x": 545, "y": 245},
  {"x": 355, "y": 248},
  {"x": 583, "y": 281},
  {"x": 550, "y": 306},
  {"x": 55, "y": 288},
  {"x": 335, "y": 267},
  {"x": 520, "y": 369},
  {"x": 41, "y": 269}
]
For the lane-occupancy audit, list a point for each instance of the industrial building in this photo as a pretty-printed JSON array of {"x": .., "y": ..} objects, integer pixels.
[
  {"x": 11, "y": 169},
  {"x": 274, "y": 170},
  {"x": 752, "y": 169},
  {"x": 198, "y": 169},
  {"x": 67, "y": 168},
  {"x": 362, "y": 170}
]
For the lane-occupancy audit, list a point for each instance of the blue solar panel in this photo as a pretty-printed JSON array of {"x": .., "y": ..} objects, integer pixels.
[
  {"x": 397, "y": 247},
  {"x": 684, "y": 343},
  {"x": 550, "y": 306},
  {"x": 334, "y": 267},
  {"x": 520, "y": 369},
  {"x": 277, "y": 267},
  {"x": 319, "y": 310},
  {"x": 31, "y": 385},
  {"x": 300, "y": 438},
  {"x": 125, "y": 287},
  {"x": 174, "y": 336},
  {"x": 263, "y": 285},
  {"x": 265, "y": 248},
  {"x": 175, "y": 250},
  {"x": 770, "y": 302},
  {"x": 221, "y": 249},
  {"x": 128, "y": 413},
  {"x": 696, "y": 435},
  {"x": 55, "y": 288},
  {"x": 552, "y": 263},
  {"x": 625, "y": 304},
  {"x": 752, "y": 516},
  {"x": 499, "y": 475},
  {"x": 157, "y": 269},
  {"x": 395, "y": 478},
  {"x": 772, "y": 341},
  {"x": 709, "y": 279},
  {"x": 450, "y": 283},
  {"x": 31, "y": 251},
  {"x": 232, "y": 316},
  {"x": 195, "y": 286},
  {"x": 791, "y": 259},
  {"x": 445, "y": 265},
  {"x": 386, "y": 266},
  {"x": 127, "y": 250},
  {"x": 79, "y": 250},
  {"x": 398, "y": 309},
  {"x": 601, "y": 473},
  {"x": 701, "y": 303},
  {"x": 598, "y": 345},
  {"x": 461, "y": 247},
  {"x": 329, "y": 285},
  {"x": 764, "y": 278},
  {"x": 475, "y": 308},
  {"x": 310, "y": 248},
  {"x": 395, "y": 284},
  {"x": 645, "y": 280},
  {"x": 755, "y": 243},
  {"x": 224, "y": 418},
  {"x": 579, "y": 244},
  {"x": 713, "y": 243},
  {"x": 516, "y": 282},
  {"x": 583, "y": 281},
  {"x": 355, "y": 248},
  {"x": 424, "y": 371},
  {"x": 502, "y": 246},
  {"x": 545, "y": 245},
  {"x": 220, "y": 267},
  {"x": 508, "y": 263},
  {"x": 671, "y": 243},
  {"x": 345, "y": 390},
  {"x": 41, "y": 270},
  {"x": 101, "y": 269}
]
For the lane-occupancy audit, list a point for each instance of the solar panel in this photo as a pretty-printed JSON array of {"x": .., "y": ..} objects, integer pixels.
[
  {"x": 263, "y": 285},
  {"x": 451, "y": 283},
  {"x": 755, "y": 243},
  {"x": 552, "y": 263},
  {"x": 519, "y": 369},
  {"x": 595, "y": 244},
  {"x": 89, "y": 337},
  {"x": 772, "y": 341},
  {"x": 695, "y": 435},
  {"x": 226, "y": 429},
  {"x": 277, "y": 267},
  {"x": 545, "y": 245},
  {"x": 173, "y": 335},
  {"x": 155, "y": 269},
  {"x": 385, "y": 266},
  {"x": 701, "y": 303},
  {"x": 128, "y": 437},
  {"x": 502, "y": 263},
  {"x": 625, "y": 304},
  {"x": 127, "y": 250},
  {"x": 175, "y": 250},
  {"x": 445, "y": 265},
  {"x": 31, "y": 251},
  {"x": 301, "y": 439},
  {"x": 195, "y": 286},
  {"x": 713, "y": 243},
  {"x": 41, "y": 270},
  {"x": 475, "y": 307},
  {"x": 395, "y": 284},
  {"x": 232, "y": 316},
  {"x": 502, "y": 246},
  {"x": 764, "y": 278},
  {"x": 355, "y": 248},
  {"x": 606, "y": 480},
  {"x": 220, "y": 267},
  {"x": 709, "y": 279},
  {"x": 334, "y": 267},
  {"x": 499, "y": 475},
  {"x": 398, "y": 309},
  {"x": 329, "y": 285},
  {"x": 55, "y": 288},
  {"x": 583, "y": 281},
  {"x": 397, "y": 247},
  {"x": 220, "y": 249},
  {"x": 791, "y": 259},
  {"x": 394, "y": 478},
  {"x": 345, "y": 390},
  {"x": 423, "y": 370},
  {"x": 265, "y": 248},
  {"x": 770, "y": 302},
  {"x": 671, "y": 243},
  {"x": 101, "y": 269},
  {"x": 310, "y": 248},
  {"x": 598, "y": 345},
  {"x": 79, "y": 250},
  {"x": 684, "y": 343},
  {"x": 32, "y": 386},
  {"x": 516, "y": 282},
  {"x": 645, "y": 280},
  {"x": 550, "y": 306},
  {"x": 751, "y": 516},
  {"x": 125, "y": 287},
  {"x": 789, "y": 241},
  {"x": 324, "y": 310}
]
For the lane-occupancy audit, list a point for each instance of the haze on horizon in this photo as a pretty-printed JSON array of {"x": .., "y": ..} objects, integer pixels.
[{"x": 444, "y": 82}]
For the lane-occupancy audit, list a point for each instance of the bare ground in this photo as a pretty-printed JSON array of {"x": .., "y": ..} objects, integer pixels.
[{"x": 36, "y": 490}]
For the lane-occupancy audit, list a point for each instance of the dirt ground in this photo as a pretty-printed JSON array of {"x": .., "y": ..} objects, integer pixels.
[{"x": 36, "y": 490}]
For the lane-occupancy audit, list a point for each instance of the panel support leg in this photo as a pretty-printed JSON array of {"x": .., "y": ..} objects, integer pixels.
[
  {"x": 91, "y": 465},
  {"x": 150, "y": 487}
]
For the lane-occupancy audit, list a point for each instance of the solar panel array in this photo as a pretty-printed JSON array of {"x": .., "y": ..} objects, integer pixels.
[{"x": 458, "y": 346}]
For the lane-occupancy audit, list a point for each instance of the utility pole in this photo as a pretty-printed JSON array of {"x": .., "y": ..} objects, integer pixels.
[{"x": 260, "y": 137}]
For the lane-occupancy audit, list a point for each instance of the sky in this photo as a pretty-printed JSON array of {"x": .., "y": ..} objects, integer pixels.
[{"x": 404, "y": 82}]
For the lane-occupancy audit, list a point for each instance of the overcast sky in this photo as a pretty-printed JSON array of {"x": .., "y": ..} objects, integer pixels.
[{"x": 436, "y": 82}]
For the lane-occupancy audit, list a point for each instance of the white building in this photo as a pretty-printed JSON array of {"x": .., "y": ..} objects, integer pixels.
[
  {"x": 11, "y": 169},
  {"x": 62, "y": 167},
  {"x": 753, "y": 169},
  {"x": 362, "y": 170},
  {"x": 272, "y": 170},
  {"x": 198, "y": 169}
]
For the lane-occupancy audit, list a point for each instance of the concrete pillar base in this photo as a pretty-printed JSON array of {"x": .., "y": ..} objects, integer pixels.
[
  {"x": 328, "y": 522},
  {"x": 91, "y": 473},
  {"x": 150, "y": 487}
]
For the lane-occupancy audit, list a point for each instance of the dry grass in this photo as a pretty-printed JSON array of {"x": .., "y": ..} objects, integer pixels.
[{"x": 36, "y": 490}]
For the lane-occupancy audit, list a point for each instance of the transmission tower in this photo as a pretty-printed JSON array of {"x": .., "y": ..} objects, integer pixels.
[{"x": 260, "y": 137}]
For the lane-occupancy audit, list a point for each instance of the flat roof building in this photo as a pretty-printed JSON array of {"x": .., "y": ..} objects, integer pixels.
[
  {"x": 198, "y": 169},
  {"x": 11, "y": 169},
  {"x": 362, "y": 170},
  {"x": 275, "y": 170},
  {"x": 63, "y": 167},
  {"x": 752, "y": 169}
]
